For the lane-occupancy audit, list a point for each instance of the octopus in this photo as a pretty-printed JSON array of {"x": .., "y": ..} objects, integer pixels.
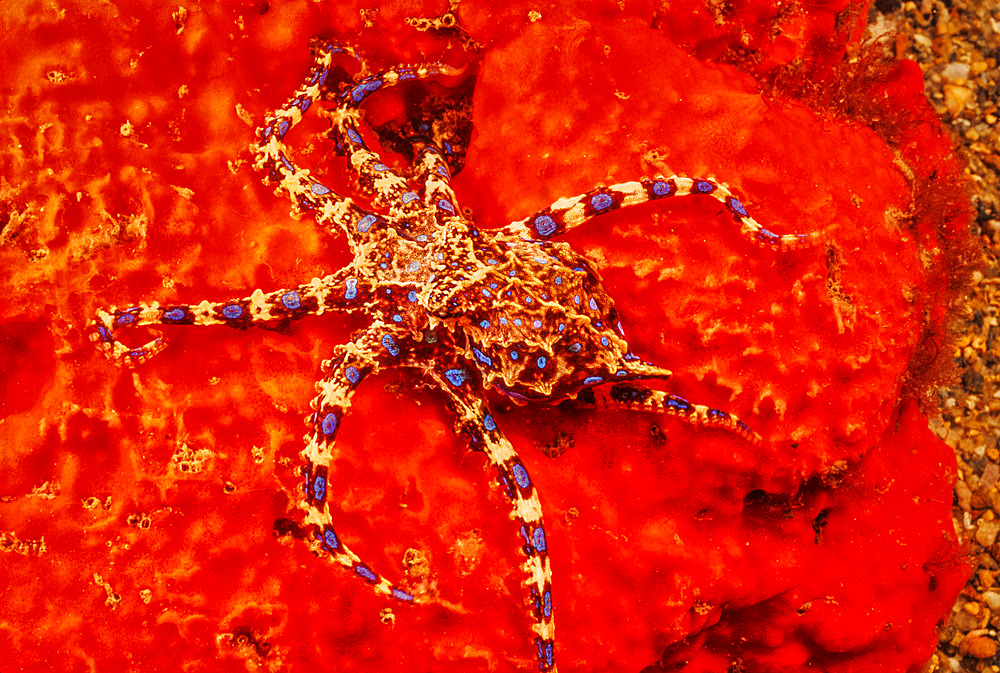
[{"x": 467, "y": 310}]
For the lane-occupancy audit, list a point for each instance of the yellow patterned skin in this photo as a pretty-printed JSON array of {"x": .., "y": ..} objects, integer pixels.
[{"x": 469, "y": 310}]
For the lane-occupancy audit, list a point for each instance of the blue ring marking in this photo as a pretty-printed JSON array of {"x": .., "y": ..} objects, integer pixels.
[
  {"x": 520, "y": 475},
  {"x": 390, "y": 345},
  {"x": 547, "y": 604},
  {"x": 397, "y": 318},
  {"x": 489, "y": 424},
  {"x": 442, "y": 171},
  {"x": 366, "y": 222},
  {"x": 406, "y": 75},
  {"x": 541, "y": 362},
  {"x": 601, "y": 201},
  {"x": 514, "y": 355},
  {"x": 503, "y": 321},
  {"x": 592, "y": 304},
  {"x": 125, "y": 319},
  {"x": 485, "y": 324},
  {"x": 306, "y": 102},
  {"x": 137, "y": 353},
  {"x": 575, "y": 348},
  {"x": 421, "y": 238},
  {"x": 538, "y": 539},
  {"x": 486, "y": 293},
  {"x": 366, "y": 573},
  {"x": 704, "y": 186},
  {"x": 409, "y": 196},
  {"x": 482, "y": 357},
  {"x": 527, "y": 300},
  {"x": 268, "y": 130},
  {"x": 513, "y": 273},
  {"x": 283, "y": 127},
  {"x": 445, "y": 204},
  {"x": 590, "y": 380},
  {"x": 549, "y": 654},
  {"x": 411, "y": 296},
  {"x": 562, "y": 326},
  {"x": 329, "y": 424},
  {"x": 545, "y": 226},
  {"x": 540, "y": 260},
  {"x": 456, "y": 376},
  {"x": 576, "y": 299},
  {"x": 286, "y": 162},
  {"x": 104, "y": 333},
  {"x": 323, "y": 75},
  {"x": 291, "y": 300},
  {"x": 318, "y": 189},
  {"x": 524, "y": 531},
  {"x": 352, "y": 374},
  {"x": 766, "y": 235},
  {"x": 604, "y": 341},
  {"x": 354, "y": 136},
  {"x": 319, "y": 488},
  {"x": 379, "y": 167},
  {"x": 678, "y": 403},
  {"x": 232, "y": 311},
  {"x": 351, "y": 288},
  {"x": 517, "y": 321},
  {"x": 717, "y": 413},
  {"x": 742, "y": 426},
  {"x": 401, "y": 595},
  {"x": 662, "y": 188},
  {"x": 330, "y": 539},
  {"x": 736, "y": 207},
  {"x": 492, "y": 262},
  {"x": 537, "y": 324},
  {"x": 558, "y": 280},
  {"x": 413, "y": 267},
  {"x": 383, "y": 265}
]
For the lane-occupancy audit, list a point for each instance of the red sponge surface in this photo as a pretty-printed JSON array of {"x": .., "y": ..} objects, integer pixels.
[{"x": 146, "y": 518}]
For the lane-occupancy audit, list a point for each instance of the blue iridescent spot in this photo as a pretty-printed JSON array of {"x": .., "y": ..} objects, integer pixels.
[
  {"x": 575, "y": 348},
  {"x": 291, "y": 300},
  {"x": 517, "y": 321},
  {"x": 319, "y": 189},
  {"x": 379, "y": 167},
  {"x": 421, "y": 238},
  {"x": 562, "y": 326},
  {"x": 766, "y": 235},
  {"x": 390, "y": 345},
  {"x": 411, "y": 296},
  {"x": 104, "y": 333},
  {"x": 397, "y": 318},
  {"x": 485, "y": 324},
  {"x": 319, "y": 488},
  {"x": 591, "y": 380},
  {"x": 409, "y": 196},
  {"x": 520, "y": 475},
  {"x": 366, "y": 222},
  {"x": 737, "y": 207},
  {"x": 703, "y": 186},
  {"x": 547, "y": 604},
  {"x": 174, "y": 314},
  {"x": 442, "y": 171},
  {"x": 359, "y": 92},
  {"x": 576, "y": 299},
  {"x": 352, "y": 374},
  {"x": 232, "y": 311},
  {"x": 366, "y": 572},
  {"x": 330, "y": 539},
  {"x": 456, "y": 376},
  {"x": 482, "y": 357},
  {"x": 124, "y": 319},
  {"x": 503, "y": 321},
  {"x": 492, "y": 262},
  {"x": 486, "y": 293},
  {"x": 353, "y": 136},
  {"x": 592, "y": 304},
  {"x": 286, "y": 162},
  {"x": 402, "y": 595},
  {"x": 601, "y": 201},
  {"x": 540, "y": 260},
  {"x": 323, "y": 75},
  {"x": 306, "y": 102},
  {"x": 538, "y": 539},
  {"x": 541, "y": 362},
  {"x": 329, "y": 424},
  {"x": 489, "y": 424},
  {"x": 445, "y": 204},
  {"x": 604, "y": 341},
  {"x": 283, "y": 127},
  {"x": 661, "y": 188},
  {"x": 558, "y": 280},
  {"x": 677, "y": 402},
  {"x": 545, "y": 226},
  {"x": 717, "y": 413},
  {"x": 513, "y": 273},
  {"x": 514, "y": 355},
  {"x": 413, "y": 267},
  {"x": 621, "y": 372},
  {"x": 351, "y": 288},
  {"x": 267, "y": 132},
  {"x": 536, "y": 324}
]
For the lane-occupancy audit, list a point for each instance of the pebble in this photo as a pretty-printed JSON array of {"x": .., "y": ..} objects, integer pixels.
[
  {"x": 955, "y": 98},
  {"x": 980, "y": 647},
  {"x": 987, "y": 532},
  {"x": 992, "y": 599}
]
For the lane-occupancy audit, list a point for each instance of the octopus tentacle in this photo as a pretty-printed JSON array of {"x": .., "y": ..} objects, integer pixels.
[
  {"x": 474, "y": 418},
  {"x": 374, "y": 347},
  {"x": 344, "y": 290},
  {"x": 567, "y": 214}
]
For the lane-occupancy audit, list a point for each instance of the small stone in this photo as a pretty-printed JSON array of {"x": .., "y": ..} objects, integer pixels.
[
  {"x": 972, "y": 608},
  {"x": 956, "y": 71},
  {"x": 955, "y": 98},
  {"x": 980, "y": 647},
  {"x": 986, "y": 580},
  {"x": 964, "y": 495},
  {"x": 990, "y": 476},
  {"x": 987, "y": 532}
]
